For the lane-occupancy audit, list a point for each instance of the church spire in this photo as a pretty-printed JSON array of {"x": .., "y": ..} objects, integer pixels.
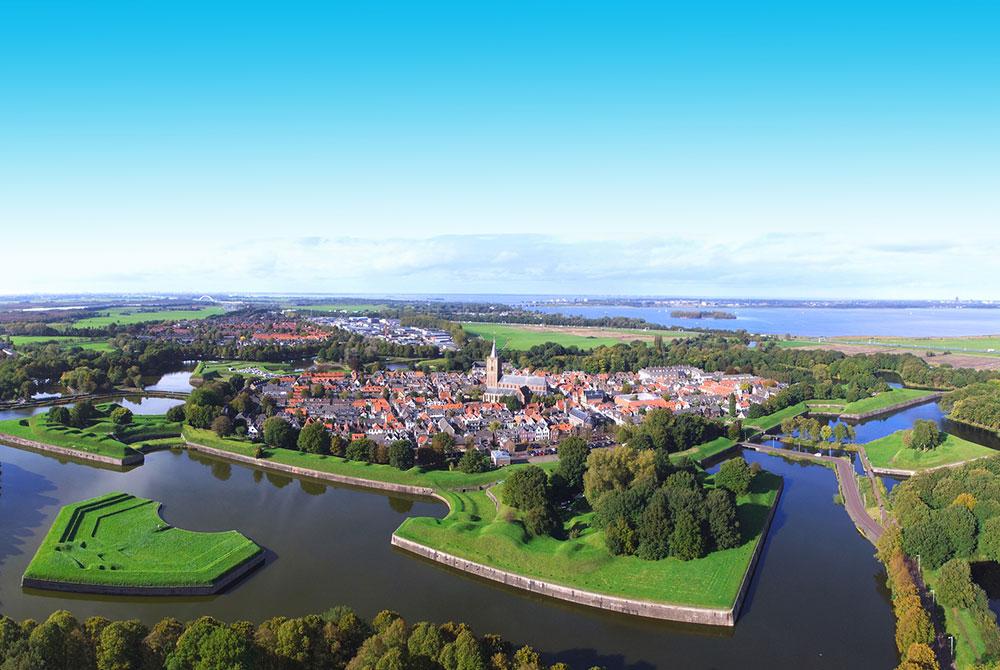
[{"x": 494, "y": 352}]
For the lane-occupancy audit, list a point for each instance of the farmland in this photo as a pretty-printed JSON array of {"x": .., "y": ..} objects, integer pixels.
[
  {"x": 63, "y": 341},
  {"x": 525, "y": 336},
  {"x": 125, "y": 316},
  {"x": 120, "y": 541}
]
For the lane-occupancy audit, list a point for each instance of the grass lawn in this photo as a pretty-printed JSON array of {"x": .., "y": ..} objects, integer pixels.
[
  {"x": 883, "y": 400},
  {"x": 765, "y": 423},
  {"x": 969, "y": 645},
  {"x": 129, "y": 315},
  {"x": 120, "y": 540},
  {"x": 524, "y": 337},
  {"x": 891, "y": 452},
  {"x": 64, "y": 341},
  {"x": 95, "y": 438},
  {"x": 222, "y": 368},
  {"x": 436, "y": 479},
  {"x": 475, "y": 532},
  {"x": 705, "y": 451}
]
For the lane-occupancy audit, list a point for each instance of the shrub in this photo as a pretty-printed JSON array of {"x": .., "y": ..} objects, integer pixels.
[
  {"x": 222, "y": 426},
  {"x": 954, "y": 584}
]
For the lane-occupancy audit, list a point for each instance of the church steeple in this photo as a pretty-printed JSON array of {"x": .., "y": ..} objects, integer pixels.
[{"x": 493, "y": 367}]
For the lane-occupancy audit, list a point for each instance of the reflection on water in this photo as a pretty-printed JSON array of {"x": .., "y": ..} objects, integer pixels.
[{"x": 330, "y": 545}]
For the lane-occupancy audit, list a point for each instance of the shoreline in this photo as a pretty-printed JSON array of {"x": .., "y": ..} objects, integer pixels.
[
  {"x": 132, "y": 459},
  {"x": 709, "y": 616},
  {"x": 222, "y": 582}
]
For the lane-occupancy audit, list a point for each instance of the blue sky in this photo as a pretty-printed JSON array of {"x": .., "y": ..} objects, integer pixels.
[{"x": 734, "y": 149}]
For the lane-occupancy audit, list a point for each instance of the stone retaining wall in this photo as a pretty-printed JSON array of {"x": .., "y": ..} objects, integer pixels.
[
  {"x": 653, "y": 610},
  {"x": 317, "y": 474},
  {"x": 219, "y": 584},
  {"x": 891, "y": 408},
  {"x": 894, "y": 472},
  {"x": 132, "y": 459}
]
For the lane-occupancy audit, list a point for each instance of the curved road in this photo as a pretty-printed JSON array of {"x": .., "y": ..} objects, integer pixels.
[{"x": 853, "y": 502}]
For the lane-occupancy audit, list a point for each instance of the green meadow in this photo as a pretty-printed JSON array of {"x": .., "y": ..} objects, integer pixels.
[
  {"x": 125, "y": 316},
  {"x": 64, "y": 341},
  {"x": 891, "y": 452},
  {"x": 522, "y": 337}
]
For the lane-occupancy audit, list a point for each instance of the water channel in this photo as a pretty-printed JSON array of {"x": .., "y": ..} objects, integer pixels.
[{"x": 818, "y": 598}]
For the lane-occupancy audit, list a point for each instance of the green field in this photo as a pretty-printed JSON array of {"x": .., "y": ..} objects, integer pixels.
[
  {"x": 891, "y": 452},
  {"x": 883, "y": 400},
  {"x": 97, "y": 437},
  {"x": 474, "y": 531},
  {"x": 766, "y": 423},
  {"x": 703, "y": 452},
  {"x": 521, "y": 338},
  {"x": 120, "y": 540},
  {"x": 64, "y": 341},
  {"x": 129, "y": 315},
  {"x": 221, "y": 368}
]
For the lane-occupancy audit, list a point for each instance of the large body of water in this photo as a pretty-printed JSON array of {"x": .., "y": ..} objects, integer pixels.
[
  {"x": 817, "y": 322},
  {"x": 817, "y": 600}
]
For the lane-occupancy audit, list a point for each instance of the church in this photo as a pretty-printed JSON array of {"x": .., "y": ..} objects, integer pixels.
[{"x": 499, "y": 385}]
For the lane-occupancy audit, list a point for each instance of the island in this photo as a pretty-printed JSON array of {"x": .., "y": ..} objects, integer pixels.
[
  {"x": 117, "y": 544},
  {"x": 701, "y": 314},
  {"x": 901, "y": 453}
]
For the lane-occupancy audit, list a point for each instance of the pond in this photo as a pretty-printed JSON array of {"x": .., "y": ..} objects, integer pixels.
[{"x": 818, "y": 599}]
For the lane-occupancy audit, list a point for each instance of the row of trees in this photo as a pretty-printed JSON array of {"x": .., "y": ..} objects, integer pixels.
[
  {"x": 663, "y": 430},
  {"x": 815, "y": 431},
  {"x": 914, "y": 629},
  {"x": 949, "y": 518},
  {"x": 337, "y": 639},
  {"x": 977, "y": 404}
]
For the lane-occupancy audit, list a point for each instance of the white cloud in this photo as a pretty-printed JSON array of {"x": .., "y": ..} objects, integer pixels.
[{"x": 770, "y": 265}]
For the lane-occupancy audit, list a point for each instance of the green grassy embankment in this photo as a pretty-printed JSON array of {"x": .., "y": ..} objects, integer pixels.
[
  {"x": 883, "y": 400},
  {"x": 226, "y": 369},
  {"x": 769, "y": 421},
  {"x": 474, "y": 531},
  {"x": 705, "y": 451},
  {"x": 100, "y": 437},
  {"x": 119, "y": 540},
  {"x": 891, "y": 452}
]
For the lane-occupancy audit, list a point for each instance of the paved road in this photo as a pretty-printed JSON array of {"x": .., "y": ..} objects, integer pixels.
[{"x": 853, "y": 502}]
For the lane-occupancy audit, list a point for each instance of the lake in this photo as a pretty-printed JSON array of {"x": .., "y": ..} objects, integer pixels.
[
  {"x": 818, "y": 599},
  {"x": 817, "y": 322}
]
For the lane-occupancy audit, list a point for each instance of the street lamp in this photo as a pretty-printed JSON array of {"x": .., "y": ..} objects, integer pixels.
[
  {"x": 951, "y": 641},
  {"x": 918, "y": 564}
]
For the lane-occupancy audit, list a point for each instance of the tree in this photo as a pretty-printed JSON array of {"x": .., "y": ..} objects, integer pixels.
[
  {"x": 175, "y": 413},
  {"x": 207, "y": 643},
  {"x": 222, "y": 426},
  {"x": 655, "y": 527},
  {"x": 120, "y": 645},
  {"x": 686, "y": 540},
  {"x": 540, "y": 520},
  {"x": 616, "y": 469},
  {"x": 573, "y": 452},
  {"x": 913, "y": 625},
  {"x": 82, "y": 413},
  {"x": 278, "y": 433},
  {"x": 839, "y": 432},
  {"x": 160, "y": 642},
  {"x": 926, "y": 538},
  {"x": 58, "y": 415},
  {"x": 989, "y": 539},
  {"x": 526, "y": 488},
  {"x": 732, "y": 404},
  {"x": 468, "y": 655},
  {"x": 959, "y": 525},
  {"x": 58, "y": 642},
  {"x": 443, "y": 443},
  {"x": 121, "y": 416},
  {"x": 401, "y": 454},
  {"x": 924, "y": 435},
  {"x": 954, "y": 584},
  {"x": 722, "y": 521},
  {"x": 474, "y": 460},
  {"x": 314, "y": 439},
  {"x": 620, "y": 538},
  {"x": 360, "y": 449},
  {"x": 919, "y": 656},
  {"x": 735, "y": 475}
]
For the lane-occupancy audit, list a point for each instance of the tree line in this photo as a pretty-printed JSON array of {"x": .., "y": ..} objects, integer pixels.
[{"x": 337, "y": 639}]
